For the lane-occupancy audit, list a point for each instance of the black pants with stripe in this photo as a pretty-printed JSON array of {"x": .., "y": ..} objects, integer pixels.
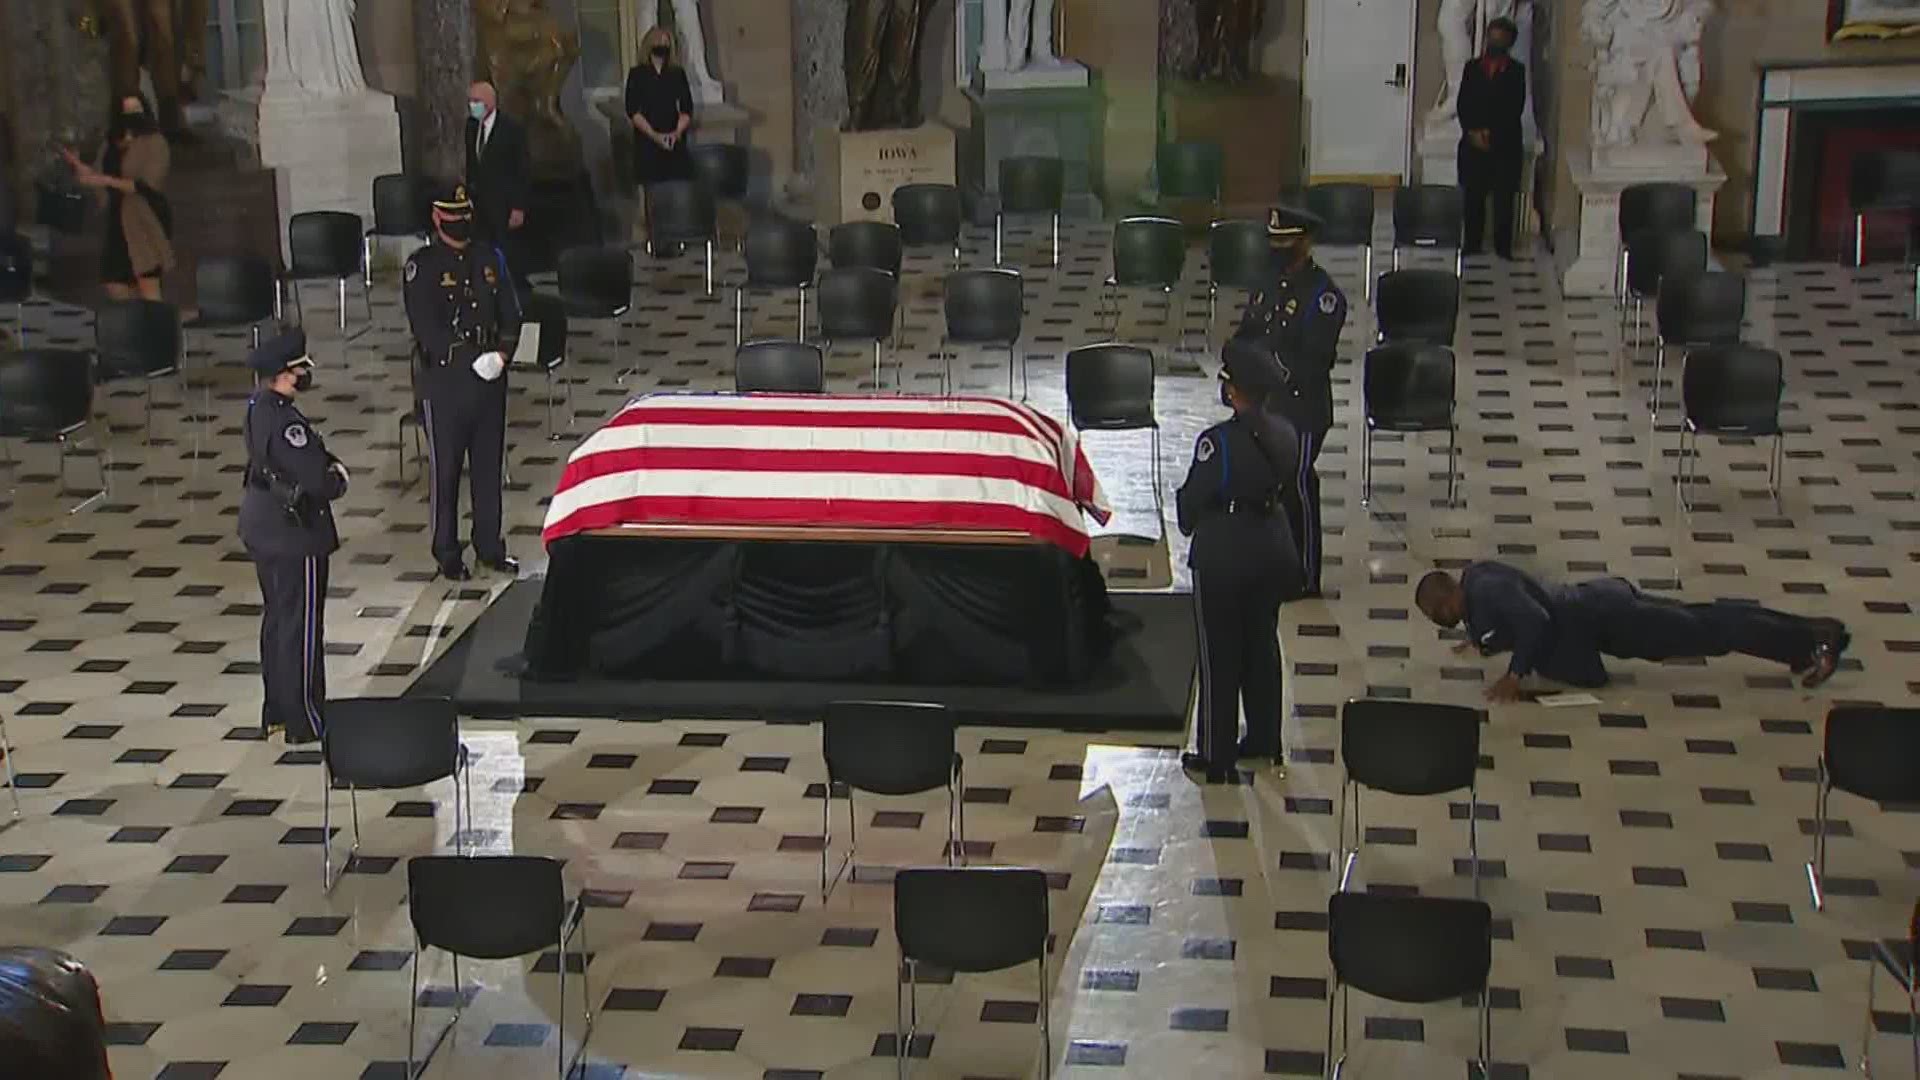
[
  {"x": 466, "y": 426},
  {"x": 1301, "y": 500},
  {"x": 293, "y": 643},
  {"x": 1243, "y": 569}
]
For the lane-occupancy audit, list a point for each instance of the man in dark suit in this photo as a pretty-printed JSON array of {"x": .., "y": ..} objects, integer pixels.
[
  {"x": 1493, "y": 95},
  {"x": 499, "y": 178}
]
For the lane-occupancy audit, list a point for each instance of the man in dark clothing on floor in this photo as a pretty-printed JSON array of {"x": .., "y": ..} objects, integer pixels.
[{"x": 1560, "y": 632}]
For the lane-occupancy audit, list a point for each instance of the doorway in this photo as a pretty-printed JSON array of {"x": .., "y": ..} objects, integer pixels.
[{"x": 1357, "y": 97}]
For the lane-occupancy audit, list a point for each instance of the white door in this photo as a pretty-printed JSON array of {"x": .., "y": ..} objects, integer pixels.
[{"x": 1358, "y": 97}]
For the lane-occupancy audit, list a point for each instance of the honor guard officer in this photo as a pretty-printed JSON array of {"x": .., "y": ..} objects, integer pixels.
[
  {"x": 286, "y": 523},
  {"x": 1244, "y": 561},
  {"x": 461, "y": 305},
  {"x": 1300, "y": 318}
]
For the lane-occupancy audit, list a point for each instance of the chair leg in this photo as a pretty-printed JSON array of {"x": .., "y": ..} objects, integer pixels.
[
  {"x": 1159, "y": 498},
  {"x": 343, "y": 305},
  {"x": 876, "y": 365},
  {"x": 1350, "y": 855},
  {"x": 1659, "y": 371},
  {"x": 801, "y": 332},
  {"x": 739, "y": 313},
  {"x": 1056, "y": 238},
  {"x": 1453, "y": 462},
  {"x": 709, "y": 266},
  {"x": 1680, "y": 477},
  {"x": 1366, "y": 464},
  {"x": 1859, "y": 240},
  {"x": 1776, "y": 470},
  {"x": 1367, "y": 269},
  {"x": 946, "y": 369},
  {"x": 902, "y": 1034},
  {"x": 366, "y": 262},
  {"x": 998, "y": 251},
  {"x": 1473, "y": 836},
  {"x": 13, "y": 783},
  {"x": 1046, "y": 1020},
  {"x": 1817, "y": 866}
]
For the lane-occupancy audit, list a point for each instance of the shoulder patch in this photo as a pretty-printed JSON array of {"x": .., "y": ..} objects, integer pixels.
[
  {"x": 413, "y": 269},
  {"x": 1204, "y": 449},
  {"x": 296, "y": 436},
  {"x": 1328, "y": 302}
]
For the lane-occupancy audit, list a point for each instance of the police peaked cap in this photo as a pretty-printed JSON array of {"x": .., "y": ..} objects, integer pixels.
[
  {"x": 1292, "y": 221},
  {"x": 277, "y": 354},
  {"x": 451, "y": 198},
  {"x": 1249, "y": 364}
]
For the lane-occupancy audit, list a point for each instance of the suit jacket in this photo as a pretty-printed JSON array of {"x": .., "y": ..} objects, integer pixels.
[
  {"x": 1495, "y": 103},
  {"x": 500, "y": 179}
]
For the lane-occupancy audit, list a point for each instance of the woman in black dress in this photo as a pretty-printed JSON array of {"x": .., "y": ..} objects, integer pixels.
[
  {"x": 660, "y": 107},
  {"x": 131, "y": 180}
]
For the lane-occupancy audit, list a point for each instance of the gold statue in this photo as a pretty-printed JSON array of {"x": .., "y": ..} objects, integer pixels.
[
  {"x": 883, "y": 63},
  {"x": 1227, "y": 29},
  {"x": 166, "y": 37},
  {"x": 527, "y": 55}
]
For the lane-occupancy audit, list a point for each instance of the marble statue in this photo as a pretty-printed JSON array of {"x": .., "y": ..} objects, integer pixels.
[
  {"x": 1462, "y": 26},
  {"x": 526, "y": 54},
  {"x": 1225, "y": 32},
  {"x": 1018, "y": 35},
  {"x": 883, "y": 63},
  {"x": 322, "y": 57},
  {"x": 1646, "y": 72},
  {"x": 693, "y": 45}
]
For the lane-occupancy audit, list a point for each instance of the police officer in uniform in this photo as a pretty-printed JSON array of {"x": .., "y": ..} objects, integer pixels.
[
  {"x": 461, "y": 306},
  {"x": 1244, "y": 561},
  {"x": 1300, "y": 318},
  {"x": 286, "y": 523}
]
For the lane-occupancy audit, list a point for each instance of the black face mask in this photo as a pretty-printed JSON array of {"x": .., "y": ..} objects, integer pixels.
[
  {"x": 459, "y": 230},
  {"x": 135, "y": 123},
  {"x": 661, "y": 53},
  {"x": 1498, "y": 49},
  {"x": 1226, "y": 397},
  {"x": 304, "y": 380}
]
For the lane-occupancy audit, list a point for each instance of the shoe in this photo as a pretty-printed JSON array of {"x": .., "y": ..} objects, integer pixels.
[
  {"x": 1274, "y": 764},
  {"x": 1825, "y": 660},
  {"x": 504, "y": 564},
  {"x": 455, "y": 571}
]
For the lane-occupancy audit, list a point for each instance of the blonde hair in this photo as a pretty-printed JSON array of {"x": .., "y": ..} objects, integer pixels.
[{"x": 657, "y": 36}]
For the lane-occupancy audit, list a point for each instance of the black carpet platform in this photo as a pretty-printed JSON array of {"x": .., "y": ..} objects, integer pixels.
[{"x": 1143, "y": 686}]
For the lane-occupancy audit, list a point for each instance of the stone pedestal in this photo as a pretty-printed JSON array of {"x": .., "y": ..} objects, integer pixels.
[
  {"x": 1062, "y": 122},
  {"x": 1041, "y": 75},
  {"x": 1255, "y": 170},
  {"x": 859, "y": 170},
  {"x": 324, "y": 149},
  {"x": 1598, "y": 256}
]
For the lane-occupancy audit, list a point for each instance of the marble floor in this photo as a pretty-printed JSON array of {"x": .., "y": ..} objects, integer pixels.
[{"x": 1642, "y": 857}]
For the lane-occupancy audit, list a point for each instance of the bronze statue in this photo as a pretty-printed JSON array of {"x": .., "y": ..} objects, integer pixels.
[
  {"x": 883, "y": 63},
  {"x": 166, "y": 37},
  {"x": 526, "y": 54},
  {"x": 1226, "y": 32}
]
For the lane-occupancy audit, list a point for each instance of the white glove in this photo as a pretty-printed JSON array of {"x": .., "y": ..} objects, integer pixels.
[{"x": 489, "y": 365}]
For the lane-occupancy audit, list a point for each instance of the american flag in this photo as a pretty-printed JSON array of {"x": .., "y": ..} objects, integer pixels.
[{"x": 839, "y": 461}]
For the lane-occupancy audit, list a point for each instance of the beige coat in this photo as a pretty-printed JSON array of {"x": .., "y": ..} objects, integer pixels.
[{"x": 146, "y": 160}]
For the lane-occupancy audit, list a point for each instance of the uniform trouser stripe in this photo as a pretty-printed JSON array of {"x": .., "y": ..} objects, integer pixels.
[
  {"x": 1309, "y": 511},
  {"x": 313, "y": 650},
  {"x": 1204, "y": 718},
  {"x": 433, "y": 473}
]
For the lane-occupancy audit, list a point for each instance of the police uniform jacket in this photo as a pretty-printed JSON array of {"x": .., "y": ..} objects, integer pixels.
[
  {"x": 279, "y": 437},
  {"x": 460, "y": 304},
  {"x": 1230, "y": 500},
  {"x": 1300, "y": 317},
  {"x": 1558, "y": 631}
]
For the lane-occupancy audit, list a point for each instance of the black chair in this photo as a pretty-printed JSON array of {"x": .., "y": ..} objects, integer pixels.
[
  {"x": 1190, "y": 170},
  {"x": 1652, "y": 257},
  {"x": 1899, "y": 958},
  {"x": 1659, "y": 207},
  {"x": 888, "y": 748},
  {"x": 1418, "y": 950},
  {"x": 725, "y": 169},
  {"x": 929, "y": 215},
  {"x": 859, "y": 303},
  {"x": 1417, "y": 305},
  {"x": 386, "y": 744},
  {"x": 400, "y": 209},
  {"x": 16, "y": 281},
  {"x": 1346, "y": 215},
  {"x": 876, "y": 244},
  {"x": 683, "y": 212},
  {"x": 781, "y": 254},
  {"x": 1408, "y": 748},
  {"x": 1408, "y": 386},
  {"x": 779, "y": 367},
  {"x": 1870, "y": 752},
  {"x": 1238, "y": 257},
  {"x": 1148, "y": 253},
  {"x": 549, "y": 313},
  {"x": 494, "y": 907},
  {"x": 1110, "y": 388},
  {"x": 1693, "y": 310},
  {"x": 1729, "y": 390},
  {"x": 973, "y": 921},
  {"x": 984, "y": 307},
  {"x": 1880, "y": 180},
  {"x": 139, "y": 339},
  {"x": 1030, "y": 185},
  {"x": 13, "y": 780},
  {"x": 597, "y": 283},
  {"x": 1428, "y": 216},
  {"x": 326, "y": 245},
  {"x": 235, "y": 291},
  {"x": 48, "y": 394}
]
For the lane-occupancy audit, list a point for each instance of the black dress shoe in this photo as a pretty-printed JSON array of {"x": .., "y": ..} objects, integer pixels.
[
  {"x": 504, "y": 564},
  {"x": 455, "y": 571}
]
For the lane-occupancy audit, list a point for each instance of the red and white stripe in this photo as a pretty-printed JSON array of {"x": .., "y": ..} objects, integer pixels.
[{"x": 840, "y": 461}]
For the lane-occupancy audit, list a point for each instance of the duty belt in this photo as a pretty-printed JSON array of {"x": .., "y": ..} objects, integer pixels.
[{"x": 1260, "y": 507}]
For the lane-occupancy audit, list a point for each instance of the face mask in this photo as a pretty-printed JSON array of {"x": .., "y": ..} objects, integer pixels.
[
  {"x": 304, "y": 380},
  {"x": 1226, "y": 397},
  {"x": 477, "y": 110},
  {"x": 457, "y": 230},
  {"x": 661, "y": 52},
  {"x": 1498, "y": 49}
]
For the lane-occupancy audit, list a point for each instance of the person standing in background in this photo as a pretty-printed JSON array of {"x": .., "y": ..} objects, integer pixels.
[
  {"x": 51, "y": 1023},
  {"x": 1493, "y": 97},
  {"x": 499, "y": 178},
  {"x": 659, "y": 105},
  {"x": 131, "y": 179}
]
